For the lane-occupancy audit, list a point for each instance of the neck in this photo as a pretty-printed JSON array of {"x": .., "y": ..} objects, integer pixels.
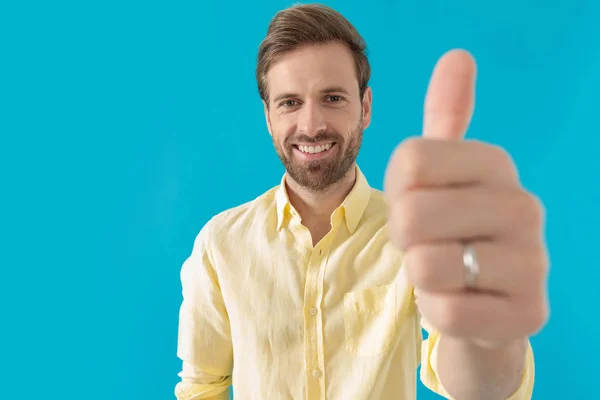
[{"x": 315, "y": 208}]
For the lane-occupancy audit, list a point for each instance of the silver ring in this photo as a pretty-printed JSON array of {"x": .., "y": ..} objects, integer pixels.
[{"x": 471, "y": 265}]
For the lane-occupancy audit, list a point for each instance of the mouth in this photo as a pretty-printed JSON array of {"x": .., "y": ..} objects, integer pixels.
[{"x": 315, "y": 152}]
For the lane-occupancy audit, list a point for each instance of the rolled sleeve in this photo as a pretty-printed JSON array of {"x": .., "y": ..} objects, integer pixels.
[
  {"x": 204, "y": 339},
  {"x": 430, "y": 377},
  {"x": 196, "y": 384}
]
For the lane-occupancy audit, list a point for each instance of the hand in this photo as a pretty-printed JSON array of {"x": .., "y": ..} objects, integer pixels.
[{"x": 443, "y": 192}]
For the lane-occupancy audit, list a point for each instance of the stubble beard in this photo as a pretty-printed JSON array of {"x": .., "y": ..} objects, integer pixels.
[{"x": 320, "y": 175}]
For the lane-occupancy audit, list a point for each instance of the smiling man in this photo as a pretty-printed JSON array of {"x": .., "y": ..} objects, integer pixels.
[{"x": 320, "y": 287}]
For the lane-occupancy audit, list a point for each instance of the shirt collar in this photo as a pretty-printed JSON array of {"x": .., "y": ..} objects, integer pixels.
[{"x": 354, "y": 204}]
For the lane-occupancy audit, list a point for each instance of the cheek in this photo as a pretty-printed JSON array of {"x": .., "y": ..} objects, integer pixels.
[
  {"x": 281, "y": 130},
  {"x": 344, "y": 121},
  {"x": 279, "y": 137}
]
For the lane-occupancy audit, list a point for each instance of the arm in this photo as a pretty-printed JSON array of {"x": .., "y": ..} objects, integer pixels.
[
  {"x": 204, "y": 341},
  {"x": 197, "y": 384},
  {"x": 457, "y": 370},
  {"x": 473, "y": 239},
  {"x": 472, "y": 372}
]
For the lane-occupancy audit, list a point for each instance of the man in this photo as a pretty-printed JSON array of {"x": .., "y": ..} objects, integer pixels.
[{"x": 319, "y": 288}]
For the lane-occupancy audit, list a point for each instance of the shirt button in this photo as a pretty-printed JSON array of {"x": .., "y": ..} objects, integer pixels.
[
  {"x": 316, "y": 373},
  {"x": 313, "y": 311}
]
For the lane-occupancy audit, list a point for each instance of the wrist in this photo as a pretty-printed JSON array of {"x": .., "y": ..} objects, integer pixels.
[{"x": 480, "y": 369}]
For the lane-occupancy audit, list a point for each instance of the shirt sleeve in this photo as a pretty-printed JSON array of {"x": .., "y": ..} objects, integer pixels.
[
  {"x": 429, "y": 371},
  {"x": 204, "y": 338}
]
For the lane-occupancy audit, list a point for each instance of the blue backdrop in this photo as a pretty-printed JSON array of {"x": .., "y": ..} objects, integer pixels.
[{"x": 124, "y": 126}]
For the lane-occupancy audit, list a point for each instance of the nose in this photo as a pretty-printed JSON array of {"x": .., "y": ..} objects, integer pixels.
[{"x": 311, "y": 119}]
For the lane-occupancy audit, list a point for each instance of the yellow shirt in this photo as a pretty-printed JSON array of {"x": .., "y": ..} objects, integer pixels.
[{"x": 266, "y": 311}]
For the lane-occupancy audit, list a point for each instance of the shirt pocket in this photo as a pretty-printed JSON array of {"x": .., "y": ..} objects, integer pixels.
[{"x": 370, "y": 320}]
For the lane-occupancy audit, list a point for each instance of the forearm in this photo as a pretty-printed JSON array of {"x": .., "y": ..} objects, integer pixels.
[{"x": 470, "y": 372}]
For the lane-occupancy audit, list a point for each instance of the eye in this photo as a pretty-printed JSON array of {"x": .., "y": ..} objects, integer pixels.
[
  {"x": 288, "y": 103},
  {"x": 334, "y": 98}
]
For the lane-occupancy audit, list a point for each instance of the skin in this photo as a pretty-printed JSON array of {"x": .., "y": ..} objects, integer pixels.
[
  {"x": 442, "y": 190},
  {"x": 314, "y": 99}
]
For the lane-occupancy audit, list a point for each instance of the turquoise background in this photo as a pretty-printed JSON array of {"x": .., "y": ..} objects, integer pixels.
[{"x": 124, "y": 126}]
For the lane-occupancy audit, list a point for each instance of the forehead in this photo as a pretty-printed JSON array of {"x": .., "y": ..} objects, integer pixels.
[{"x": 313, "y": 67}]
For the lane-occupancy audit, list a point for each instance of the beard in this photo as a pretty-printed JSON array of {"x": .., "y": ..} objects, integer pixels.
[{"x": 319, "y": 175}]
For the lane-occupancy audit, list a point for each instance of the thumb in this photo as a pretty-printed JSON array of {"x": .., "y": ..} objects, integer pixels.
[{"x": 450, "y": 96}]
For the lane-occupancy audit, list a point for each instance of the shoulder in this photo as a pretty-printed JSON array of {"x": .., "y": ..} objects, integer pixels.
[{"x": 236, "y": 221}]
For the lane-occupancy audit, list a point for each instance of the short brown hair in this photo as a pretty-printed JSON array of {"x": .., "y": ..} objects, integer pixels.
[{"x": 309, "y": 24}]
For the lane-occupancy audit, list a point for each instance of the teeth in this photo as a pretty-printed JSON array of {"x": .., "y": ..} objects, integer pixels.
[{"x": 315, "y": 149}]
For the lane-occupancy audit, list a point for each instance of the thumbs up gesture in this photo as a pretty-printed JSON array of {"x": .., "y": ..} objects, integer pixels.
[{"x": 472, "y": 236}]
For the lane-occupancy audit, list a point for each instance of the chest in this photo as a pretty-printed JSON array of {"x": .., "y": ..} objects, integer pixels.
[{"x": 285, "y": 278}]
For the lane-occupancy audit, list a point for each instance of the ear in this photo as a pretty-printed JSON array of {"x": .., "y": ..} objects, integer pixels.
[
  {"x": 267, "y": 118},
  {"x": 367, "y": 103}
]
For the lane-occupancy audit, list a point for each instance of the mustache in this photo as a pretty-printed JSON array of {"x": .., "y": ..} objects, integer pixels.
[{"x": 321, "y": 137}]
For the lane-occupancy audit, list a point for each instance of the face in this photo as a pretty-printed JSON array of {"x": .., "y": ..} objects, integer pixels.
[{"x": 315, "y": 115}]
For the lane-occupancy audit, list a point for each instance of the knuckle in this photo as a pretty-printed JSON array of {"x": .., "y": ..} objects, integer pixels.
[
  {"x": 538, "y": 264},
  {"x": 413, "y": 161},
  {"x": 537, "y": 316},
  {"x": 405, "y": 221},
  {"x": 420, "y": 271},
  {"x": 396, "y": 228},
  {"x": 527, "y": 209},
  {"x": 535, "y": 210},
  {"x": 448, "y": 318},
  {"x": 503, "y": 160}
]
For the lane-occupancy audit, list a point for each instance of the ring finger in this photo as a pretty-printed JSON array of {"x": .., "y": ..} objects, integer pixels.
[{"x": 503, "y": 268}]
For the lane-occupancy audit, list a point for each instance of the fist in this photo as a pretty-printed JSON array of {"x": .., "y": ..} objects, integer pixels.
[{"x": 472, "y": 236}]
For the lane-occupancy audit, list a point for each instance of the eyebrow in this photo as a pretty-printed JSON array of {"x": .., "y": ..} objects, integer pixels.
[{"x": 327, "y": 90}]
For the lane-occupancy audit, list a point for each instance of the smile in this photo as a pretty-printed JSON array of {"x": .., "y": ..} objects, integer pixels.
[
  {"x": 314, "y": 152},
  {"x": 314, "y": 149}
]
